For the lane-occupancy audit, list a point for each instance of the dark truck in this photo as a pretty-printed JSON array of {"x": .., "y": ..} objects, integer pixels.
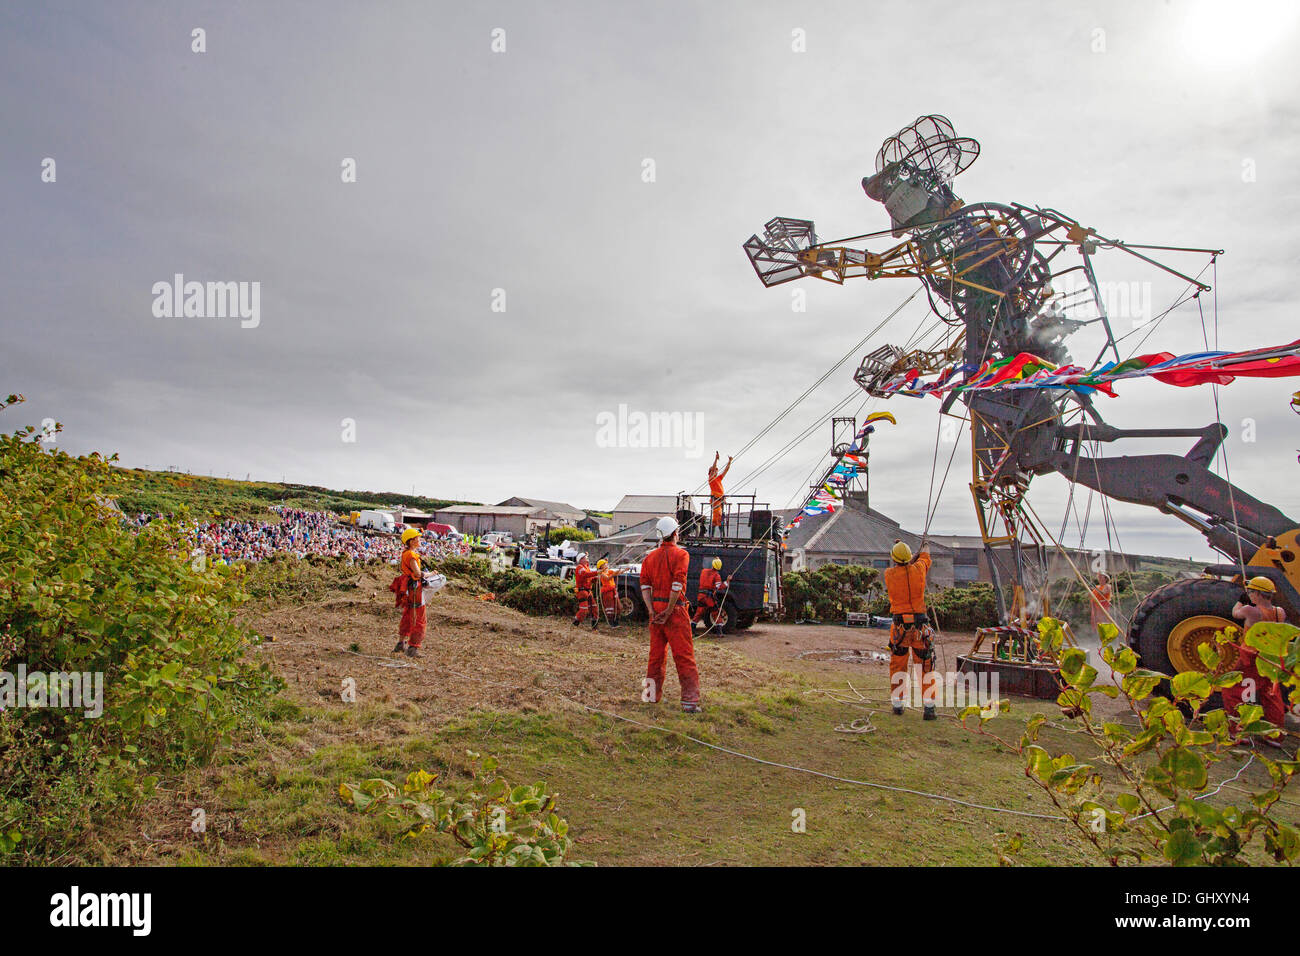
[{"x": 749, "y": 543}]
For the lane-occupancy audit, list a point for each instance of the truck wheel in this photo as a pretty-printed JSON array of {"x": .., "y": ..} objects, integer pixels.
[
  {"x": 632, "y": 610},
  {"x": 745, "y": 620},
  {"x": 1172, "y": 621},
  {"x": 723, "y": 618}
]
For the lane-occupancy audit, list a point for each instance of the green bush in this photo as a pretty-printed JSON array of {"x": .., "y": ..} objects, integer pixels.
[
  {"x": 284, "y": 577},
  {"x": 1149, "y": 805},
  {"x": 568, "y": 533},
  {"x": 83, "y": 593},
  {"x": 521, "y": 589},
  {"x": 474, "y": 571},
  {"x": 829, "y": 592},
  {"x": 493, "y": 823},
  {"x": 164, "y": 492},
  {"x": 833, "y": 590},
  {"x": 965, "y": 608}
]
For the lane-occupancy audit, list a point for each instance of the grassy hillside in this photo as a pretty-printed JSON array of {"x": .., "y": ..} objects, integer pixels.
[
  {"x": 203, "y": 495},
  {"x": 635, "y": 788}
]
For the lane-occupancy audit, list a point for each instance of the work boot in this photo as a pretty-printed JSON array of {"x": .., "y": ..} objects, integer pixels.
[
  {"x": 413, "y": 652},
  {"x": 929, "y": 714},
  {"x": 593, "y": 623},
  {"x": 576, "y": 622},
  {"x": 691, "y": 708},
  {"x": 898, "y": 710},
  {"x": 401, "y": 646}
]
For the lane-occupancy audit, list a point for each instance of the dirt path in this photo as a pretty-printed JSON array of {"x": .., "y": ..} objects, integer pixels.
[{"x": 833, "y": 649}]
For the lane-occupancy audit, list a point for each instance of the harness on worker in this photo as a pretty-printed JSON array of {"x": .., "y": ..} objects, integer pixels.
[{"x": 912, "y": 622}]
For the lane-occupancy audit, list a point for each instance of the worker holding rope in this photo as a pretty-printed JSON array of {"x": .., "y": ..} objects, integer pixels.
[
  {"x": 608, "y": 591},
  {"x": 717, "y": 497},
  {"x": 663, "y": 588},
  {"x": 583, "y": 578},
  {"x": 710, "y": 595},
  {"x": 909, "y": 632}
]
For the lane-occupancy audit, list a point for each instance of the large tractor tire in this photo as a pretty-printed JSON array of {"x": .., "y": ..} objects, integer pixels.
[{"x": 1173, "y": 620}]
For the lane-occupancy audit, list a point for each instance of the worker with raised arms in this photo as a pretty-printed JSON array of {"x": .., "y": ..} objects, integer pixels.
[
  {"x": 910, "y": 633},
  {"x": 717, "y": 497},
  {"x": 663, "y": 589}
]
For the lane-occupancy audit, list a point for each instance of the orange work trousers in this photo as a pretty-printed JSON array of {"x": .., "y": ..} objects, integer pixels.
[
  {"x": 412, "y": 626},
  {"x": 913, "y": 642},
  {"x": 716, "y": 504},
  {"x": 586, "y": 605},
  {"x": 674, "y": 633},
  {"x": 609, "y": 603},
  {"x": 705, "y": 603}
]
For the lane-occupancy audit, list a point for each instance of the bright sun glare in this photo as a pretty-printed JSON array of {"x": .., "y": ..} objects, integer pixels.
[{"x": 1232, "y": 33}]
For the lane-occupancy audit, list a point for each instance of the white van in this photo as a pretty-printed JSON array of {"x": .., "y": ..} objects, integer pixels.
[{"x": 378, "y": 520}]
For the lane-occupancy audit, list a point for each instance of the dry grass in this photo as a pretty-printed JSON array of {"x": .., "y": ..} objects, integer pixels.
[{"x": 496, "y": 681}]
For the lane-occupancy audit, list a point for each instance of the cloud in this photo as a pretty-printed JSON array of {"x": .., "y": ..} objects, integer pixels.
[{"x": 523, "y": 172}]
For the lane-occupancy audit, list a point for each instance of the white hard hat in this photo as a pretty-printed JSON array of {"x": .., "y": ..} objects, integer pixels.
[{"x": 665, "y": 526}]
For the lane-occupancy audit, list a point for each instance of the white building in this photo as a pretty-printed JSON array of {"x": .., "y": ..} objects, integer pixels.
[{"x": 634, "y": 509}]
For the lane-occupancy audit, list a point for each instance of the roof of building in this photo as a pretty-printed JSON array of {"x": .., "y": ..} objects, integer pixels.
[
  {"x": 558, "y": 507},
  {"x": 663, "y": 504},
  {"x": 855, "y": 529},
  {"x": 525, "y": 510}
]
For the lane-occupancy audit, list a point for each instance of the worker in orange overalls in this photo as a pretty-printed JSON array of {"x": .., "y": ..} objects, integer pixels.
[
  {"x": 608, "y": 591},
  {"x": 1255, "y": 605},
  {"x": 717, "y": 498},
  {"x": 663, "y": 589},
  {"x": 583, "y": 578},
  {"x": 909, "y": 633},
  {"x": 1101, "y": 595},
  {"x": 410, "y": 597},
  {"x": 709, "y": 596}
]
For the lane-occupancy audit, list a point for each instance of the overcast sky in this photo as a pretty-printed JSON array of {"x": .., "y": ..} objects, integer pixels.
[{"x": 526, "y": 171}]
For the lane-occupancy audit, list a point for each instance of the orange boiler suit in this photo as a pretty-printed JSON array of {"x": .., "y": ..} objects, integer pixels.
[
  {"x": 909, "y": 633},
  {"x": 706, "y": 598},
  {"x": 583, "y": 578},
  {"x": 412, "y": 627},
  {"x": 716, "y": 497},
  {"x": 609, "y": 593},
  {"x": 664, "y": 573}
]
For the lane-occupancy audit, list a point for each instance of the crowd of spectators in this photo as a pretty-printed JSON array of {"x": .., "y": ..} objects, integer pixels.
[{"x": 301, "y": 534}]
